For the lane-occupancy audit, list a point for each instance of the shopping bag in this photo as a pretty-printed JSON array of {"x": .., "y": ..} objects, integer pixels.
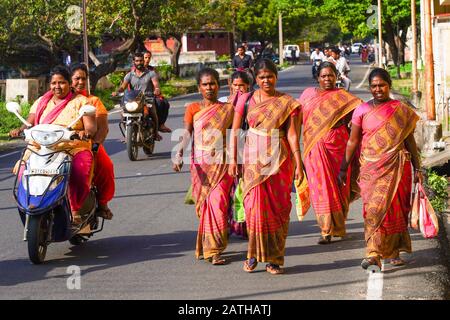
[
  {"x": 302, "y": 200},
  {"x": 188, "y": 199},
  {"x": 427, "y": 220},
  {"x": 238, "y": 203},
  {"x": 415, "y": 210}
]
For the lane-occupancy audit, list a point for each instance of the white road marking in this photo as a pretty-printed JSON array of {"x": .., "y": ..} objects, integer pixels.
[
  {"x": 365, "y": 78},
  {"x": 375, "y": 285},
  {"x": 9, "y": 154}
]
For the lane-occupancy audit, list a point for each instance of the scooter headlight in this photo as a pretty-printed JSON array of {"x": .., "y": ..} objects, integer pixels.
[
  {"x": 131, "y": 106},
  {"x": 46, "y": 138}
]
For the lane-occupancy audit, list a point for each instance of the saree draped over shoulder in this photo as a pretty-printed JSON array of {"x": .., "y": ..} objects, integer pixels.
[
  {"x": 268, "y": 175},
  {"x": 386, "y": 178},
  {"x": 325, "y": 137},
  {"x": 211, "y": 184}
]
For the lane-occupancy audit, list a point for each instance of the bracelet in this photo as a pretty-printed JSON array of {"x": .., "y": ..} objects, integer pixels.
[{"x": 296, "y": 151}]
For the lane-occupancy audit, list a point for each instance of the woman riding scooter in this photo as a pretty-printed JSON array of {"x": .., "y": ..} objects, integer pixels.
[{"x": 60, "y": 106}]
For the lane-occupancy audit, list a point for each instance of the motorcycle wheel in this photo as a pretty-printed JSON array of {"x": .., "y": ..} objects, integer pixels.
[
  {"x": 132, "y": 143},
  {"x": 37, "y": 238}
]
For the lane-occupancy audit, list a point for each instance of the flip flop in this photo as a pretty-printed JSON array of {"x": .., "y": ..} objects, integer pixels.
[
  {"x": 274, "y": 269},
  {"x": 397, "y": 262},
  {"x": 217, "y": 260},
  {"x": 250, "y": 265}
]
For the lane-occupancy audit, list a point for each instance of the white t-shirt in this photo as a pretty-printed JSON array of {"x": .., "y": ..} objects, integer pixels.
[{"x": 320, "y": 56}]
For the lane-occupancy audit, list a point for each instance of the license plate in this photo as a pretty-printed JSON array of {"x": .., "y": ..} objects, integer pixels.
[{"x": 41, "y": 171}]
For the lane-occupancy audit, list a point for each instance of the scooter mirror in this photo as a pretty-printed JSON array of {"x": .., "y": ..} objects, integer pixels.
[
  {"x": 13, "y": 107},
  {"x": 87, "y": 110}
]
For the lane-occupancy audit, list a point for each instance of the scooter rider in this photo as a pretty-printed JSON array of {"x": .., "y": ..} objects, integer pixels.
[
  {"x": 342, "y": 67},
  {"x": 316, "y": 55},
  {"x": 140, "y": 78}
]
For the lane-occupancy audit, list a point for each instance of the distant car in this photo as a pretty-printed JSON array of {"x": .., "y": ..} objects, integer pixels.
[
  {"x": 287, "y": 51},
  {"x": 355, "y": 47}
]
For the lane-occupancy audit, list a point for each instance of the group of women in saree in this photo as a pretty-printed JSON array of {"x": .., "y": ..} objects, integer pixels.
[
  {"x": 60, "y": 106},
  {"x": 381, "y": 136}
]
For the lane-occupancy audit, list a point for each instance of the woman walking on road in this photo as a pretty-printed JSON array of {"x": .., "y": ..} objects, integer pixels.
[
  {"x": 326, "y": 112},
  {"x": 384, "y": 128},
  {"x": 271, "y": 159},
  {"x": 208, "y": 121}
]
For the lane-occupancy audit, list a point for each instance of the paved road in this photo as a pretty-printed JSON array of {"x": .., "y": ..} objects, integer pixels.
[{"x": 147, "y": 250}]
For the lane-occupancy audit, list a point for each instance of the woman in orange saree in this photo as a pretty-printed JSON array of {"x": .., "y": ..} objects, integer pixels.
[
  {"x": 271, "y": 159},
  {"x": 326, "y": 112},
  {"x": 208, "y": 121},
  {"x": 385, "y": 130}
]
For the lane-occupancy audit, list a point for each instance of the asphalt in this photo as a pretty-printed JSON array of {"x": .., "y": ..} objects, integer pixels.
[{"x": 147, "y": 250}]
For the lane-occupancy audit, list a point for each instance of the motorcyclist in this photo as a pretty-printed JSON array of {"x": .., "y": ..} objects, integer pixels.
[
  {"x": 342, "y": 67},
  {"x": 140, "y": 78},
  {"x": 317, "y": 55},
  {"x": 242, "y": 61}
]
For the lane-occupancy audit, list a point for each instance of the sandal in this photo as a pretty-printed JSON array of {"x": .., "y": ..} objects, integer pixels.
[
  {"x": 397, "y": 262},
  {"x": 217, "y": 260},
  {"x": 105, "y": 213},
  {"x": 372, "y": 263},
  {"x": 274, "y": 269},
  {"x": 324, "y": 240},
  {"x": 250, "y": 264}
]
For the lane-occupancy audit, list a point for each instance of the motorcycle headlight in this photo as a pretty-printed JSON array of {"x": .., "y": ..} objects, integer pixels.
[
  {"x": 131, "y": 106},
  {"x": 46, "y": 138}
]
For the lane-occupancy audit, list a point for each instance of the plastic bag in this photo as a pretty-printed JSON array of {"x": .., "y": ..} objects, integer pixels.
[
  {"x": 423, "y": 217},
  {"x": 238, "y": 203},
  {"x": 302, "y": 200},
  {"x": 188, "y": 199}
]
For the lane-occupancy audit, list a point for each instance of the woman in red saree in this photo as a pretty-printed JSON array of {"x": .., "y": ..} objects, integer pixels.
[
  {"x": 103, "y": 169},
  {"x": 208, "y": 121},
  {"x": 385, "y": 130},
  {"x": 326, "y": 112},
  {"x": 60, "y": 106},
  {"x": 271, "y": 159}
]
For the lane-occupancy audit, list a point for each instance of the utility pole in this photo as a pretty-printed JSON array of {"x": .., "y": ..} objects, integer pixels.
[
  {"x": 415, "y": 77},
  {"x": 429, "y": 63},
  {"x": 280, "y": 35},
  {"x": 380, "y": 36},
  {"x": 85, "y": 45}
]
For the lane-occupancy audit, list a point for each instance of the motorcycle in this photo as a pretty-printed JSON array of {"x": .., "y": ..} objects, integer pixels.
[
  {"x": 316, "y": 65},
  {"x": 135, "y": 128},
  {"x": 41, "y": 188}
]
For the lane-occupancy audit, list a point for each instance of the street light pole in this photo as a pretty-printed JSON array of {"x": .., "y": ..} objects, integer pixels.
[
  {"x": 429, "y": 63},
  {"x": 85, "y": 45},
  {"x": 380, "y": 36},
  {"x": 280, "y": 35}
]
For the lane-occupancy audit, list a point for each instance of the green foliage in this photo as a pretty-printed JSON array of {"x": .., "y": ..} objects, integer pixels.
[
  {"x": 403, "y": 68},
  {"x": 105, "y": 97},
  {"x": 116, "y": 78},
  {"x": 165, "y": 71},
  {"x": 438, "y": 186},
  {"x": 224, "y": 57},
  {"x": 9, "y": 120}
]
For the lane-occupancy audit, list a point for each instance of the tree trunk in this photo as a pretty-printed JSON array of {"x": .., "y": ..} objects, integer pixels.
[
  {"x": 390, "y": 37},
  {"x": 175, "y": 53}
]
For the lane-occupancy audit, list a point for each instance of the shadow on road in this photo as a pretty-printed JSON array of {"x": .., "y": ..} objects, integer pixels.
[{"x": 100, "y": 255}]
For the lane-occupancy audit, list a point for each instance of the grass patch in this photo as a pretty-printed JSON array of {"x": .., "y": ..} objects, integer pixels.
[
  {"x": 403, "y": 86},
  {"x": 407, "y": 67},
  {"x": 9, "y": 121}
]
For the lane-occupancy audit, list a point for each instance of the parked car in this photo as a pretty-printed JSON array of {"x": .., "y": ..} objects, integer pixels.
[
  {"x": 356, "y": 46},
  {"x": 287, "y": 51}
]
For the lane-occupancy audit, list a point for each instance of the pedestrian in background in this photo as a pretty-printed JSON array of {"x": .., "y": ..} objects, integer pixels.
[
  {"x": 211, "y": 183},
  {"x": 384, "y": 128},
  {"x": 271, "y": 160},
  {"x": 326, "y": 112}
]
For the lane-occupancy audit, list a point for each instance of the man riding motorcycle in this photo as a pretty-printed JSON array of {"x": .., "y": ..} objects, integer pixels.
[
  {"x": 140, "y": 78},
  {"x": 342, "y": 67}
]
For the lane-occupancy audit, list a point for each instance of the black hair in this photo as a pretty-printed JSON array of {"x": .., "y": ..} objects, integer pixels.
[
  {"x": 326, "y": 64},
  {"x": 240, "y": 75},
  {"x": 266, "y": 64},
  {"x": 241, "y": 47},
  {"x": 208, "y": 72},
  {"x": 61, "y": 70},
  {"x": 79, "y": 66},
  {"x": 382, "y": 73},
  {"x": 336, "y": 50},
  {"x": 138, "y": 55}
]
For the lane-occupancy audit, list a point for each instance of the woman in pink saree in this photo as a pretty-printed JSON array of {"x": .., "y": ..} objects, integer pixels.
[
  {"x": 385, "y": 130},
  {"x": 271, "y": 160},
  {"x": 208, "y": 121},
  {"x": 326, "y": 112},
  {"x": 60, "y": 106}
]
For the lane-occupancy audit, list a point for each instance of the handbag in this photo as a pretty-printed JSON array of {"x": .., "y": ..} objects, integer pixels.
[
  {"x": 245, "y": 124},
  {"x": 302, "y": 200},
  {"x": 423, "y": 216}
]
